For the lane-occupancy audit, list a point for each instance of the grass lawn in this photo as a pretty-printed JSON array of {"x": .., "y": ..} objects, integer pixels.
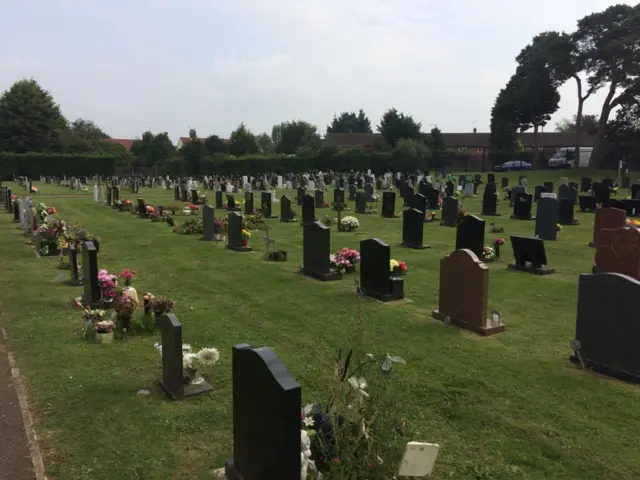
[{"x": 509, "y": 406}]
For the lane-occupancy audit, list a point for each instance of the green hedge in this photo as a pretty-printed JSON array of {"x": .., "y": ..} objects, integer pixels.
[
  {"x": 37, "y": 164},
  {"x": 352, "y": 159}
]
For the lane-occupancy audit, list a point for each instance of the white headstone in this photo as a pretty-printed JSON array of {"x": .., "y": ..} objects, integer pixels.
[
  {"x": 468, "y": 190},
  {"x": 279, "y": 181},
  {"x": 95, "y": 193},
  {"x": 418, "y": 459},
  {"x": 564, "y": 181},
  {"x": 273, "y": 196},
  {"x": 312, "y": 185},
  {"x": 229, "y": 188}
]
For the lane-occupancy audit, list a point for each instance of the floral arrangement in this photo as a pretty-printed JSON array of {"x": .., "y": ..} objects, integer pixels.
[
  {"x": 162, "y": 305},
  {"x": 43, "y": 211},
  {"x": 498, "y": 241},
  {"x": 576, "y": 221},
  {"x": 49, "y": 233},
  {"x": 558, "y": 227},
  {"x": 348, "y": 437},
  {"x": 108, "y": 284},
  {"x": 125, "y": 306},
  {"x": 461, "y": 213},
  {"x": 186, "y": 211},
  {"x": 397, "y": 268},
  {"x": 104, "y": 326},
  {"x": 245, "y": 234},
  {"x": 254, "y": 221},
  {"x": 150, "y": 209},
  {"x": 344, "y": 261},
  {"x": 128, "y": 276},
  {"x": 190, "y": 227},
  {"x": 349, "y": 223},
  {"x": 432, "y": 216},
  {"x": 172, "y": 209},
  {"x": 193, "y": 207},
  {"x": 488, "y": 253},
  {"x": 328, "y": 221},
  {"x": 634, "y": 223},
  {"x": 92, "y": 316},
  {"x": 220, "y": 225},
  {"x": 147, "y": 299},
  {"x": 191, "y": 361},
  {"x": 327, "y": 204}
]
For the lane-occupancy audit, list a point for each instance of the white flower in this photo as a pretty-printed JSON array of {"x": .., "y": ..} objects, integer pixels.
[
  {"x": 158, "y": 347},
  {"x": 208, "y": 356},
  {"x": 359, "y": 384},
  {"x": 186, "y": 348},
  {"x": 308, "y": 422},
  {"x": 307, "y": 409},
  {"x": 187, "y": 360},
  {"x": 370, "y": 355}
]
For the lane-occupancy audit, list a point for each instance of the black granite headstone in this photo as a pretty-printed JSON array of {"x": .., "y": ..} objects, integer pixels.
[
  {"x": 319, "y": 199},
  {"x": 208, "y": 223},
  {"x": 522, "y": 206},
  {"x": 530, "y": 255},
  {"x": 234, "y": 232},
  {"x": 376, "y": 280},
  {"x": 248, "y": 203},
  {"x": 338, "y": 197},
  {"x": 413, "y": 228},
  {"x": 449, "y": 212},
  {"x": 308, "y": 210},
  {"x": 266, "y": 417},
  {"x": 301, "y": 194},
  {"x": 219, "y": 203},
  {"x": 73, "y": 264},
  {"x": 90, "y": 274},
  {"x": 547, "y": 219},
  {"x": 470, "y": 234},
  {"x": 565, "y": 211},
  {"x": 267, "y": 206},
  {"x": 286, "y": 214},
  {"x": 419, "y": 202},
  {"x": 388, "y": 204},
  {"x": 316, "y": 245},
  {"x": 361, "y": 204}
]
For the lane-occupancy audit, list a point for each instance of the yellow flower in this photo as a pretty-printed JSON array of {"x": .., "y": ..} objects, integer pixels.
[
  {"x": 393, "y": 264},
  {"x": 246, "y": 233},
  {"x": 62, "y": 243}
]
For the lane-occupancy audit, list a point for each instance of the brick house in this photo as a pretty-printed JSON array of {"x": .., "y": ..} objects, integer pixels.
[
  {"x": 476, "y": 145},
  {"x": 183, "y": 140}
]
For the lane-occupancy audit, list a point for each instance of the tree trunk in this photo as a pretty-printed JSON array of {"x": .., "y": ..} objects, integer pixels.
[
  {"x": 536, "y": 150},
  {"x": 581, "y": 101},
  {"x": 600, "y": 143}
]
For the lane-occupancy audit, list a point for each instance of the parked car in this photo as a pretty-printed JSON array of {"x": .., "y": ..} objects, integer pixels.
[{"x": 512, "y": 166}]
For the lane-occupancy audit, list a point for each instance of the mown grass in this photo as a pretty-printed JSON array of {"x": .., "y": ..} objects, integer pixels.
[{"x": 506, "y": 407}]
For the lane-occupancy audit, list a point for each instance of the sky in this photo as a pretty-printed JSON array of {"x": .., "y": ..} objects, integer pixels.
[{"x": 172, "y": 65}]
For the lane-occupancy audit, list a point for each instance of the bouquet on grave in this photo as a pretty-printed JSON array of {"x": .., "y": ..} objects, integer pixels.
[
  {"x": 349, "y": 223},
  {"x": 108, "y": 283},
  {"x": 398, "y": 268},
  {"x": 488, "y": 253},
  {"x": 162, "y": 305}
]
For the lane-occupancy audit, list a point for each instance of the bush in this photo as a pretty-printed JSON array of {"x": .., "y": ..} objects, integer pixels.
[{"x": 37, "y": 164}]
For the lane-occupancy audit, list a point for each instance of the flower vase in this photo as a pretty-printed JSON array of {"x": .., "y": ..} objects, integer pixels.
[
  {"x": 192, "y": 376},
  {"x": 218, "y": 237},
  {"x": 104, "y": 337},
  {"x": 244, "y": 243},
  {"x": 496, "y": 247},
  {"x": 124, "y": 322},
  {"x": 130, "y": 292}
]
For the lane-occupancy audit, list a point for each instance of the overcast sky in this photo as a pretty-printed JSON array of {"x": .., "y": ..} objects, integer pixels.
[{"x": 171, "y": 65}]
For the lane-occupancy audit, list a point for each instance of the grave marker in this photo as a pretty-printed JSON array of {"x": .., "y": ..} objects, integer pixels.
[
  {"x": 470, "y": 234},
  {"x": 92, "y": 292},
  {"x": 376, "y": 279},
  {"x": 316, "y": 245},
  {"x": 413, "y": 229},
  {"x": 530, "y": 255},
  {"x": 547, "y": 219}
]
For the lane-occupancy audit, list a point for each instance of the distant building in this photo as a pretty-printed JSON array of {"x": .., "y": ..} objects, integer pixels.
[
  {"x": 127, "y": 143},
  {"x": 184, "y": 140},
  {"x": 476, "y": 145}
]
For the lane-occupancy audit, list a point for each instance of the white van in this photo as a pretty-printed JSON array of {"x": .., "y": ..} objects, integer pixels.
[{"x": 566, "y": 158}]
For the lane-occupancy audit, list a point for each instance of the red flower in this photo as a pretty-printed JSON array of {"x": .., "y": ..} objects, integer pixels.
[
  {"x": 369, "y": 466},
  {"x": 128, "y": 274},
  {"x": 403, "y": 266},
  {"x": 193, "y": 207},
  {"x": 150, "y": 209},
  {"x": 336, "y": 460}
]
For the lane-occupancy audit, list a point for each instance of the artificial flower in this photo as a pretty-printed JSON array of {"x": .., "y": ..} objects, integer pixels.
[
  {"x": 393, "y": 264},
  {"x": 359, "y": 384},
  {"x": 208, "y": 356}
]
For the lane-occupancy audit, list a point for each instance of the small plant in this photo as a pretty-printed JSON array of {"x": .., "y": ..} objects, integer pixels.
[
  {"x": 349, "y": 223},
  {"x": 147, "y": 299},
  {"x": 125, "y": 306},
  {"x": 328, "y": 221}
]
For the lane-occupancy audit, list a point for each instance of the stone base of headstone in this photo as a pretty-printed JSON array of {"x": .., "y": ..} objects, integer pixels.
[
  {"x": 288, "y": 220},
  {"x": 189, "y": 390},
  {"x": 513, "y": 217},
  {"x": 491, "y": 214},
  {"x": 239, "y": 249},
  {"x": 390, "y": 215},
  {"x": 415, "y": 247},
  {"x": 530, "y": 269},
  {"x": 277, "y": 256},
  {"x": 606, "y": 370},
  {"x": 325, "y": 277},
  {"x": 271, "y": 217},
  {"x": 397, "y": 292},
  {"x": 483, "y": 330}
]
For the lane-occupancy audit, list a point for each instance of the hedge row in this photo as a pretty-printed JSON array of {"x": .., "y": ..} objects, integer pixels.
[{"x": 37, "y": 164}]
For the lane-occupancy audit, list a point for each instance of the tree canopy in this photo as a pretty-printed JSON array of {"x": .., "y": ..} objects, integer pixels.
[
  {"x": 588, "y": 125},
  {"x": 215, "y": 144},
  {"x": 30, "y": 120},
  {"x": 151, "y": 149},
  {"x": 295, "y": 135},
  {"x": 242, "y": 141},
  {"x": 395, "y": 125},
  {"x": 350, "y": 122}
]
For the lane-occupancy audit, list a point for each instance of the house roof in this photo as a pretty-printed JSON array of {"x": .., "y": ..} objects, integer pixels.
[
  {"x": 125, "y": 142},
  {"x": 455, "y": 140}
]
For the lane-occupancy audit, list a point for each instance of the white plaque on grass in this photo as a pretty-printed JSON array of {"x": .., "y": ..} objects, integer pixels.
[
  {"x": 418, "y": 459},
  {"x": 548, "y": 195}
]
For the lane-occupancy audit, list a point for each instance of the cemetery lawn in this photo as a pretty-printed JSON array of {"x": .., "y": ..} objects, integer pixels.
[{"x": 510, "y": 406}]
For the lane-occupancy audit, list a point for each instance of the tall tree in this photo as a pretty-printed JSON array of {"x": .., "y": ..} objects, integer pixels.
[
  {"x": 242, "y": 142},
  {"x": 437, "y": 146},
  {"x": 536, "y": 99},
  {"x": 297, "y": 134},
  {"x": 558, "y": 53},
  {"x": 504, "y": 126},
  {"x": 608, "y": 43},
  {"x": 623, "y": 132},
  {"x": 30, "y": 120},
  {"x": 350, "y": 122},
  {"x": 152, "y": 149},
  {"x": 394, "y": 126},
  {"x": 265, "y": 144},
  {"x": 87, "y": 130},
  {"x": 588, "y": 125},
  {"x": 215, "y": 144},
  {"x": 193, "y": 153}
]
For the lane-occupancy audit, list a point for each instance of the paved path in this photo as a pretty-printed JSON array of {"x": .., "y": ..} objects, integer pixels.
[{"x": 15, "y": 455}]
